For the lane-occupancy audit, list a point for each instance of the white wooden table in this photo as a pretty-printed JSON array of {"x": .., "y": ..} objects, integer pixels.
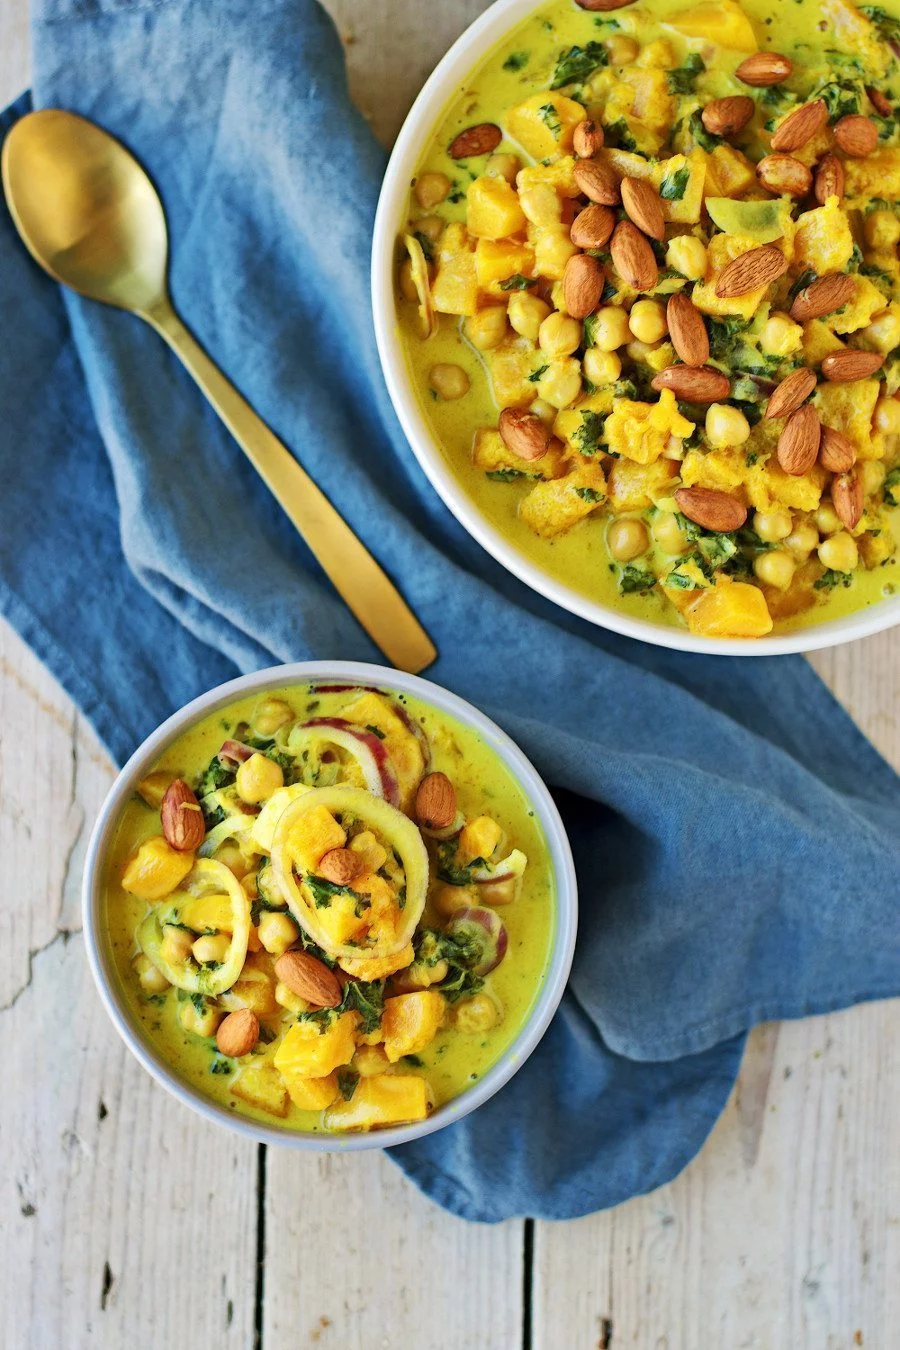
[{"x": 127, "y": 1222}]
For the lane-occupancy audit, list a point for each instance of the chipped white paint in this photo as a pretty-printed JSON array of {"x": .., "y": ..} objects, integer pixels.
[{"x": 783, "y": 1235}]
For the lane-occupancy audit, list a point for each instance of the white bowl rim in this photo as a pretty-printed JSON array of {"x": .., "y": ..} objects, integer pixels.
[
  {"x": 442, "y": 86},
  {"x": 339, "y": 672}
]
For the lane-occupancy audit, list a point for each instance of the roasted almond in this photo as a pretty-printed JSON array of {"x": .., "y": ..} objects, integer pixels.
[
  {"x": 764, "y": 68},
  {"x": 793, "y": 390},
  {"x": 182, "y": 820},
  {"x": 856, "y": 135},
  {"x": 238, "y": 1033},
  {"x": 727, "y": 116},
  {"x": 847, "y": 498},
  {"x": 592, "y": 227},
  {"x": 837, "y": 453},
  {"x": 583, "y": 282},
  {"x": 598, "y": 181},
  {"x": 633, "y": 257},
  {"x": 687, "y": 330},
  {"x": 823, "y": 296},
  {"x": 829, "y": 180},
  {"x": 435, "y": 802},
  {"x": 782, "y": 174},
  {"x": 750, "y": 271},
  {"x": 641, "y": 202},
  {"x": 587, "y": 138},
  {"x": 482, "y": 139},
  {"x": 524, "y": 434},
  {"x": 879, "y": 101},
  {"x": 309, "y": 978},
  {"x": 850, "y": 364},
  {"x": 800, "y": 126},
  {"x": 711, "y": 509},
  {"x": 340, "y": 865},
  {"x": 798, "y": 444},
  {"x": 602, "y": 6},
  {"x": 693, "y": 384}
]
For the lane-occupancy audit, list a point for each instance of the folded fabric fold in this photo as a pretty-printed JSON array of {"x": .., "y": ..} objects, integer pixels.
[{"x": 735, "y": 836}]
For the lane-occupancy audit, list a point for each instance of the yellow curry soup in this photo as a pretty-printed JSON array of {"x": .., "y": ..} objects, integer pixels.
[
  {"x": 649, "y": 295},
  {"x": 330, "y": 906}
]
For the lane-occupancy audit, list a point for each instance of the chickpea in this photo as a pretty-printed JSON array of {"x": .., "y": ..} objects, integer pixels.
[
  {"x": 211, "y": 947},
  {"x": 559, "y": 335},
  {"x": 151, "y": 980},
  {"x": 271, "y": 714},
  {"x": 545, "y": 411},
  {"x": 775, "y": 568},
  {"x": 839, "y": 553},
  {"x": 611, "y": 329},
  {"x": 176, "y": 944},
  {"x": 486, "y": 329},
  {"x": 526, "y": 313},
  {"x": 448, "y": 381},
  {"x": 286, "y": 998},
  {"x": 668, "y": 533},
  {"x": 774, "y": 525},
  {"x": 600, "y": 367},
  {"x": 478, "y": 1013},
  {"x": 552, "y": 250},
  {"x": 431, "y": 226},
  {"x": 802, "y": 540},
  {"x": 448, "y": 899},
  {"x": 726, "y": 426},
  {"x": 828, "y": 520},
  {"x": 503, "y": 165},
  {"x": 541, "y": 204},
  {"x": 881, "y": 229},
  {"x": 560, "y": 384},
  {"x": 230, "y": 856},
  {"x": 200, "y": 1021},
  {"x": 640, "y": 351},
  {"x": 268, "y": 890},
  {"x": 872, "y": 475},
  {"x": 780, "y": 335},
  {"x": 883, "y": 333},
  {"x": 369, "y": 1060},
  {"x": 627, "y": 539},
  {"x": 647, "y": 321},
  {"x": 431, "y": 189},
  {"x": 422, "y": 976},
  {"x": 407, "y": 285},
  {"x": 622, "y": 50},
  {"x": 257, "y": 778},
  {"x": 687, "y": 254},
  {"x": 887, "y": 416},
  {"x": 277, "y": 931}
]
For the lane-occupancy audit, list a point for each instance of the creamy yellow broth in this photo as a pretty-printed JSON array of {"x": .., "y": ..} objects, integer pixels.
[
  {"x": 455, "y": 1058},
  {"x": 524, "y": 63}
]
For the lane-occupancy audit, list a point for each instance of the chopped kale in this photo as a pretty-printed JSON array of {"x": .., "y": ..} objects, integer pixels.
[
  {"x": 219, "y": 1064},
  {"x": 842, "y": 99},
  {"x": 683, "y": 79},
  {"x": 892, "y": 488},
  {"x": 831, "y": 579},
  {"x": 806, "y": 278},
  {"x": 588, "y": 494},
  {"x": 517, "y": 61},
  {"x": 634, "y": 580},
  {"x": 578, "y": 63},
  {"x": 550, "y": 118},
  {"x": 673, "y": 186},
  {"x": 215, "y": 776},
  {"x": 504, "y": 475},
  {"x": 375, "y": 731},
  {"x": 888, "y": 26},
  {"x": 450, "y": 869},
  {"x": 359, "y": 996},
  {"x": 517, "y": 283},
  {"x": 324, "y": 891},
  {"x": 619, "y": 137},
  {"x": 588, "y": 436},
  {"x": 700, "y": 136},
  {"x": 347, "y": 1080},
  {"x": 537, "y": 374}
]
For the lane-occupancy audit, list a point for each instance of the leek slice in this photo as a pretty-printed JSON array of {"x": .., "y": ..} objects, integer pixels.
[
  {"x": 206, "y": 876},
  {"x": 422, "y": 284},
  {"x": 391, "y": 826}
]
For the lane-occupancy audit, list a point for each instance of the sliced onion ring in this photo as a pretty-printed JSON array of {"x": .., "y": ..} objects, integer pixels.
[
  {"x": 205, "y": 877},
  {"x": 513, "y": 865},
  {"x": 396, "y": 829}
]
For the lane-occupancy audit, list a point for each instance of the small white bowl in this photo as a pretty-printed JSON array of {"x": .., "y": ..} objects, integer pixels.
[
  {"x": 331, "y": 672},
  {"x": 450, "y": 78}
]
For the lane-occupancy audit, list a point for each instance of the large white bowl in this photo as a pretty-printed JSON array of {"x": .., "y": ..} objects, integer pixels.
[
  {"x": 331, "y": 672},
  {"x": 448, "y": 81}
]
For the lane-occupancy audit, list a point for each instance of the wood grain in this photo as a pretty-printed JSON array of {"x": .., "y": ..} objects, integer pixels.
[{"x": 127, "y": 1221}]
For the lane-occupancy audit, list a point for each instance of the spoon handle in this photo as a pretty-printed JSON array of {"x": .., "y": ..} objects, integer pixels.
[{"x": 357, "y": 577}]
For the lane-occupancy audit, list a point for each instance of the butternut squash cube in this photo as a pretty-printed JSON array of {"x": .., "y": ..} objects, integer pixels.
[
  {"x": 207, "y": 913},
  {"x": 553, "y": 508},
  {"x": 641, "y": 431},
  {"x": 410, "y": 1022},
  {"x": 493, "y": 209},
  {"x": 723, "y": 249},
  {"x": 719, "y": 21},
  {"x": 728, "y": 173},
  {"x": 377, "y": 967},
  {"x": 509, "y": 366},
  {"x": 730, "y": 609},
  {"x": 878, "y": 175},
  {"x": 261, "y": 1086},
  {"x": 823, "y": 240},
  {"x": 341, "y": 921},
  {"x": 633, "y": 487},
  {"x": 314, "y": 834},
  {"x": 311, "y": 1094},
  {"x": 850, "y": 408},
  {"x": 860, "y": 311},
  {"x": 455, "y": 288},
  {"x": 818, "y": 342},
  {"x": 314, "y": 1049},
  {"x": 384, "y": 1099},
  {"x": 369, "y": 850},
  {"x": 496, "y": 260},
  {"x": 491, "y": 456},
  {"x": 543, "y": 125},
  {"x": 156, "y": 870}
]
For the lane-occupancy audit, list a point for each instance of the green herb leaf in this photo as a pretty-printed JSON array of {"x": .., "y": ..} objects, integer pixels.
[
  {"x": 673, "y": 186},
  {"x": 518, "y": 283},
  {"x": 634, "y": 580},
  {"x": 683, "y": 79},
  {"x": 504, "y": 475},
  {"x": 550, "y": 118},
  {"x": 588, "y": 436},
  {"x": 588, "y": 494},
  {"x": 578, "y": 63},
  {"x": 892, "y": 488},
  {"x": 831, "y": 579}
]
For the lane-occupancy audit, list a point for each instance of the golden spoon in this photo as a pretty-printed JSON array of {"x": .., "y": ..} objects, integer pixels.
[{"x": 88, "y": 213}]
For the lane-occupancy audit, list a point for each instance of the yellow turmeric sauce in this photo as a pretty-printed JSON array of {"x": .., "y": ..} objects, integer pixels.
[
  {"x": 645, "y": 73},
  {"x": 465, "y": 1044}
]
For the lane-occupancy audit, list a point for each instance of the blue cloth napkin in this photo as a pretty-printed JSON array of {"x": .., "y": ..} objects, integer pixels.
[{"x": 735, "y": 835}]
